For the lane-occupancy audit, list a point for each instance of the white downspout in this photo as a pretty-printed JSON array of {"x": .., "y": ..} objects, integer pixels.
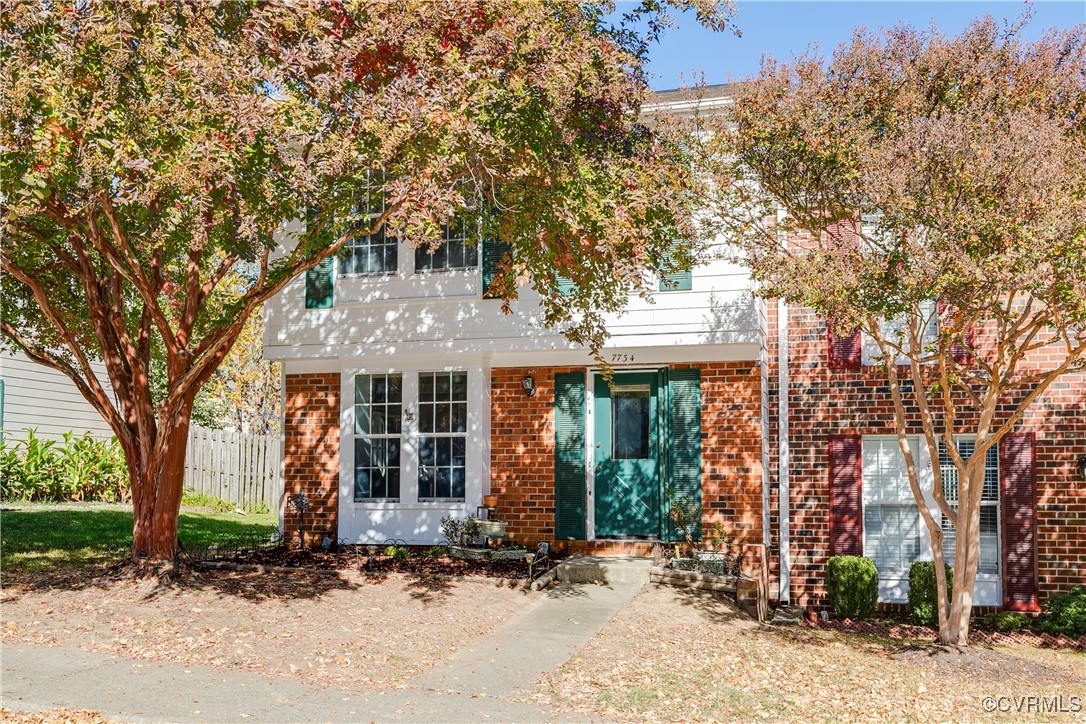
[{"x": 784, "y": 457}]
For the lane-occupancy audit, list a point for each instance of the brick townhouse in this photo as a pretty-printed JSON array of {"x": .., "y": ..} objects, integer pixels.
[{"x": 409, "y": 396}]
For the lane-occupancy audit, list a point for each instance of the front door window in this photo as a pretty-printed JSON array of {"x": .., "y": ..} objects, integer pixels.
[{"x": 632, "y": 429}]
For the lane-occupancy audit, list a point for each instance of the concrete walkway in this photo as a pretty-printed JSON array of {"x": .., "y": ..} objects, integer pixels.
[{"x": 475, "y": 683}]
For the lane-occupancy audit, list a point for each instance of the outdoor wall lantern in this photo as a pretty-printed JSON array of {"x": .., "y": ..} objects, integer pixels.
[
  {"x": 1082, "y": 467},
  {"x": 528, "y": 384}
]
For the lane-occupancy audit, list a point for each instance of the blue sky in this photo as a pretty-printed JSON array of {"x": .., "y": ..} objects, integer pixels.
[{"x": 784, "y": 27}]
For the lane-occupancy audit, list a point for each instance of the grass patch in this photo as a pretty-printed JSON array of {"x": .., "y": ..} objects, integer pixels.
[{"x": 44, "y": 538}]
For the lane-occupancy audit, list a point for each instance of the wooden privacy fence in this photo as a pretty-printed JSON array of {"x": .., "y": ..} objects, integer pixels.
[{"x": 240, "y": 468}]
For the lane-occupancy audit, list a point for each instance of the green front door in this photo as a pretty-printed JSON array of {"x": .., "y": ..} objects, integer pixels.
[{"x": 626, "y": 456}]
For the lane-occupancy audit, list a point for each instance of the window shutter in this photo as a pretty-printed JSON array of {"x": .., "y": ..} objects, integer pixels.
[
  {"x": 569, "y": 432},
  {"x": 844, "y": 350},
  {"x": 494, "y": 251},
  {"x": 1018, "y": 483},
  {"x": 320, "y": 285},
  {"x": 684, "y": 453},
  {"x": 566, "y": 286},
  {"x": 961, "y": 353},
  {"x": 846, "y": 515},
  {"x": 677, "y": 281}
]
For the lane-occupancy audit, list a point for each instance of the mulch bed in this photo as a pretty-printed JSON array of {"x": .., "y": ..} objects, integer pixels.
[
  {"x": 358, "y": 559},
  {"x": 896, "y": 630}
]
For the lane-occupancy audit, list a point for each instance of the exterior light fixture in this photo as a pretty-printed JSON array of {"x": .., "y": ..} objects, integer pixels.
[
  {"x": 1082, "y": 467},
  {"x": 527, "y": 383}
]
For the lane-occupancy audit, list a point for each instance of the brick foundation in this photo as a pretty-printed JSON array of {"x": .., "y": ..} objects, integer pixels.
[{"x": 311, "y": 452}]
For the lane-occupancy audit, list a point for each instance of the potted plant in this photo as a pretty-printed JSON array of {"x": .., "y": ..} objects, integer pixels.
[
  {"x": 490, "y": 528},
  {"x": 490, "y": 501}
]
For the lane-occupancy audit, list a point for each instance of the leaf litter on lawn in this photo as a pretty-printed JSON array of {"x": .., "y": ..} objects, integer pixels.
[{"x": 332, "y": 630}]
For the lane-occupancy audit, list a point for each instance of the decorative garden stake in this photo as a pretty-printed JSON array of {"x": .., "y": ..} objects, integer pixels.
[{"x": 300, "y": 503}]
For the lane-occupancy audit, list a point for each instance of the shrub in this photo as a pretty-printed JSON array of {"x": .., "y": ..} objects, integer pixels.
[
  {"x": 923, "y": 605},
  {"x": 1007, "y": 621},
  {"x": 400, "y": 553},
  {"x": 75, "y": 468},
  {"x": 1065, "y": 613},
  {"x": 853, "y": 585},
  {"x": 437, "y": 551}
]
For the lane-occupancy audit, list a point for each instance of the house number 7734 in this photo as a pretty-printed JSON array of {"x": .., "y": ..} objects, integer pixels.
[{"x": 622, "y": 358}]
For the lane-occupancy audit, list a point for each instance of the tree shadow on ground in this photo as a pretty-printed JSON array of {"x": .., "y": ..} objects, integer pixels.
[
  {"x": 716, "y": 606},
  {"x": 248, "y": 585}
]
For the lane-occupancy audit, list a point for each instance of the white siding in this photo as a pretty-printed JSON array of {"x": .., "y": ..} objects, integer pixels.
[
  {"x": 46, "y": 400},
  {"x": 444, "y": 311}
]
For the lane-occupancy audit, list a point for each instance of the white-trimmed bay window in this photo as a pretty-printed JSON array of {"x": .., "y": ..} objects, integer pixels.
[
  {"x": 443, "y": 428},
  {"x": 378, "y": 415}
]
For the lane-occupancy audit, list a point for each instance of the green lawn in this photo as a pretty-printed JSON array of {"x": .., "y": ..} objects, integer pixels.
[{"x": 35, "y": 538}]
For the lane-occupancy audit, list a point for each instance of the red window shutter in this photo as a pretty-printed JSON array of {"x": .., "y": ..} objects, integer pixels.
[
  {"x": 961, "y": 353},
  {"x": 1018, "y": 487},
  {"x": 844, "y": 350},
  {"x": 846, "y": 512}
]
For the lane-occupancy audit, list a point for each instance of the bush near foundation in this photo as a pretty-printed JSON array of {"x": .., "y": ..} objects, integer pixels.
[
  {"x": 853, "y": 585},
  {"x": 923, "y": 605},
  {"x": 1065, "y": 613}
]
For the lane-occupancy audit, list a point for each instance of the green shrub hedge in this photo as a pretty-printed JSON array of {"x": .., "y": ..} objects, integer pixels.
[
  {"x": 1008, "y": 621},
  {"x": 923, "y": 605},
  {"x": 853, "y": 585},
  {"x": 76, "y": 468},
  {"x": 1065, "y": 613}
]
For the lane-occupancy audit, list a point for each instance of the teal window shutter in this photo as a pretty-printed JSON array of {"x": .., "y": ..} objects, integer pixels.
[
  {"x": 320, "y": 285},
  {"x": 494, "y": 251},
  {"x": 569, "y": 448},
  {"x": 566, "y": 286},
  {"x": 678, "y": 281},
  {"x": 684, "y": 453}
]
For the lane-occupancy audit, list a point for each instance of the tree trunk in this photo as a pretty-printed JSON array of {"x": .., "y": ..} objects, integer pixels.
[
  {"x": 158, "y": 501},
  {"x": 966, "y": 557}
]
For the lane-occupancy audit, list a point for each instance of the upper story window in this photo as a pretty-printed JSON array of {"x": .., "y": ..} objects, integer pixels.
[
  {"x": 459, "y": 249},
  {"x": 372, "y": 253},
  {"x": 894, "y": 330}
]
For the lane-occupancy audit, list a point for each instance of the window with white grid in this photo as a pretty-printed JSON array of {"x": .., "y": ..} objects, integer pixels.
[
  {"x": 378, "y": 412},
  {"x": 371, "y": 254},
  {"x": 892, "y": 525},
  {"x": 989, "y": 504},
  {"x": 459, "y": 249},
  {"x": 894, "y": 330},
  {"x": 443, "y": 427}
]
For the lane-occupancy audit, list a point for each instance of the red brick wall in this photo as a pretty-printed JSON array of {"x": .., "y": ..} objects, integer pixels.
[
  {"x": 522, "y": 450},
  {"x": 825, "y": 401},
  {"x": 311, "y": 452}
]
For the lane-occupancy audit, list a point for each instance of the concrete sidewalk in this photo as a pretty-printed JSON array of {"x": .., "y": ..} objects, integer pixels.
[{"x": 473, "y": 684}]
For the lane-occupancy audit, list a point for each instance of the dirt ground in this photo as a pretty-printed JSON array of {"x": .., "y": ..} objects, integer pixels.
[
  {"x": 673, "y": 654},
  {"x": 349, "y": 631}
]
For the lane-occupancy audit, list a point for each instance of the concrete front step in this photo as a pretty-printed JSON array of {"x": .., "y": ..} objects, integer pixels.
[{"x": 604, "y": 569}]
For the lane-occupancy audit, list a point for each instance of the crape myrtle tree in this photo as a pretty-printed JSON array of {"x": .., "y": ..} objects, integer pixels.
[
  {"x": 150, "y": 150},
  {"x": 925, "y": 180}
]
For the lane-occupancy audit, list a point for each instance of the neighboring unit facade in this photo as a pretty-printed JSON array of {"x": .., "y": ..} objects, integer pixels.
[
  {"x": 33, "y": 396},
  {"x": 409, "y": 395}
]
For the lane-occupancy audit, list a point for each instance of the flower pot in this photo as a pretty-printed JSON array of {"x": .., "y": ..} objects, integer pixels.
[
  {"x": 490, "y": 501},
  {"x": 492, "y": 528}
]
